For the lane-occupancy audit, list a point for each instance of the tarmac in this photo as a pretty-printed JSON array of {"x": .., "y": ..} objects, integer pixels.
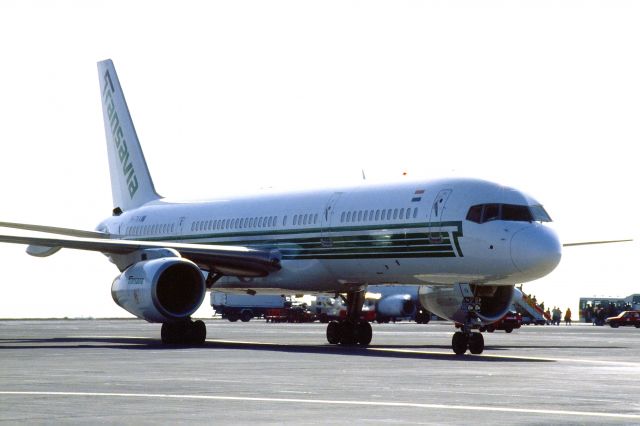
[{"x": 118, "y": 372}]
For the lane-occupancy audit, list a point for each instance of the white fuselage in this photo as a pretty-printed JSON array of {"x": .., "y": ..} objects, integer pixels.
[{"x": 334, "y": 240}]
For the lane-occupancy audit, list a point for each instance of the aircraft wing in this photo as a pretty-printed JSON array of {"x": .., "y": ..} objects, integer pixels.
[
  {"x": 589, "y": 243},
  {"x": 226, "y": 260},
  {"x": 54, "y": 230}
]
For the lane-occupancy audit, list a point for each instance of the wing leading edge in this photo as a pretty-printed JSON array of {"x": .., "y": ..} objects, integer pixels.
[{"x": 226, "y": 260}]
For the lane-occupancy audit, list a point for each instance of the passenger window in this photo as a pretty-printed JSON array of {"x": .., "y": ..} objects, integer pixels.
[
  {"x": 402, "y": 213},
  {"x": 315, "y": 218},
  {"x": 415, "y": 213},
  {"x": 348, "y": 216},
  {"x": 360, "y": 216},
  {"x": 284, "y": 221},
  {"x": 377, "y": 214},
  {"x": 370, "y": 215},
  {"x": 395, "y": 214},
  {"x": 342, "y": 217}
]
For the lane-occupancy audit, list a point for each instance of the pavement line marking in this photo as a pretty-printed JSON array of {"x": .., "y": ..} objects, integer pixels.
[{"x": 336, "y": 402}]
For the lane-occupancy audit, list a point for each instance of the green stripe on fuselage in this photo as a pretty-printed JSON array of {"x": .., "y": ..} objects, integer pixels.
[{"x": 379, "y": 241}]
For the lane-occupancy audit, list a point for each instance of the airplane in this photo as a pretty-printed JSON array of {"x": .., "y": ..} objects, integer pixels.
[{"x": 466, "y": 242}]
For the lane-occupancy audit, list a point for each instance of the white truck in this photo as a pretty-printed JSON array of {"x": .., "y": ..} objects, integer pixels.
[{"x": 243, "y": 307}]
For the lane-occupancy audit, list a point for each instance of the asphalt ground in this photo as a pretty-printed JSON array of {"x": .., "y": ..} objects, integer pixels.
[{"x": 118, "y": 372}]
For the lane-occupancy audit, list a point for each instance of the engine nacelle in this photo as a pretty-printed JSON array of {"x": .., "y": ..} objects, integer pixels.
[
  {"x": 487, "y": 303},
  {"x": 160, "y": 290},
  {"x": 398, "y": 305}
]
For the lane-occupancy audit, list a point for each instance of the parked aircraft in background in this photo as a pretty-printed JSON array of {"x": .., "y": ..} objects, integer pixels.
[{"x": 467, "y": 242}]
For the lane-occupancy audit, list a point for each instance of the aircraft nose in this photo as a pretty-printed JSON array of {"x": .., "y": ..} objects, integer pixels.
[{"x": 535, "y": 251}]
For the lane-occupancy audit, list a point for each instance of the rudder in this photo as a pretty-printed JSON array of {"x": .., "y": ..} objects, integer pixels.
[{"x": 131, "y": 183}]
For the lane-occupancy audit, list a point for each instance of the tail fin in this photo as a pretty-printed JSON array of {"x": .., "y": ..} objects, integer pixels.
[{"x": 131, "y": 183}]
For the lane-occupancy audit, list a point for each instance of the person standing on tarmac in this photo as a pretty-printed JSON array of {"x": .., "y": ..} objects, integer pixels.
[{"x": 567, "y": 317}]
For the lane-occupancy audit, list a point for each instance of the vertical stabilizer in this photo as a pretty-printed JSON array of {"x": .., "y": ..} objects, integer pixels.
[{"x": 131, "y": 183}]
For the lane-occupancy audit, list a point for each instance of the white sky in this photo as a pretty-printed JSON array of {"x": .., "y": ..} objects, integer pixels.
[{"x": 232, "y": 96}]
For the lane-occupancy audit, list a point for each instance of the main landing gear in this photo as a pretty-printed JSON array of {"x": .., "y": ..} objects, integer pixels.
[
  {"x": 463, "y": 340},
  {"x": 185, "y": 332},
  {"x": 352, "y": 330}
]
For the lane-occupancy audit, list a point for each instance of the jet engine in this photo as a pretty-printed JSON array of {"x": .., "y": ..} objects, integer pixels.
[
  {"x": 165, "y": 289},
  {"x": 397, "y": 305},
  {"x": 486, "y": 303}
]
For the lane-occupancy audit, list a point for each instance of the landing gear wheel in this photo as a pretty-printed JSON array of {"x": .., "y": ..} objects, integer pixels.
[
  {"x": 476, "y": 343},
  {"x": 348, "y": 334},
  {"x": 459, "y": 343},
  {"x": 364, "y": 333},
  {"x": 333, "y": 332},
  {"x": 197, "y": 333},
  {"x": 183, "y": 333},
  {"x": 170, "y": 333}
]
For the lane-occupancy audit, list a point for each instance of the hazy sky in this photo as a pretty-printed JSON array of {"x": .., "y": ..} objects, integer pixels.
[{"x": 235, "y": 96}]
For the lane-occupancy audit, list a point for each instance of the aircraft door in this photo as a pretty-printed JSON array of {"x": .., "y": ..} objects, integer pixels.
[
  {"x": 329, "y": 217},
  {"x": 436, "y": 217}
]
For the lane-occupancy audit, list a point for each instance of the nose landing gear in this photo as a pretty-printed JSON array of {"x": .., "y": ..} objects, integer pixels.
[{"x": 462, "y": 341}]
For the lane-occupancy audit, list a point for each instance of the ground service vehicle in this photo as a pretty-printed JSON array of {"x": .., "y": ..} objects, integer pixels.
[
  {"x": 508, "y": 323},
  {"x": 624, "y": 318},
  {"x": 243, "y": 307}
]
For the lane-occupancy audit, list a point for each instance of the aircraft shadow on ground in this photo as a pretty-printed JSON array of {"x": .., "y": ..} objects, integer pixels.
[{"x": 373, "y": 351}]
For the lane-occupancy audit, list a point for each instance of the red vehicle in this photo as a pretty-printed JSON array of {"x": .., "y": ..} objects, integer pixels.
[
  {"x": 509, "y": 322},
  {"x": 624, "y": 318}
]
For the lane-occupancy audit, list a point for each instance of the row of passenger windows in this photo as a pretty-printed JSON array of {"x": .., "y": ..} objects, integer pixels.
[
  {"x": 384, "y": 214},
  {"x": 252, "y": 223},
  {"x": 272, "y": 221},
  {"x": 240, "y": 223},
  {"x": 164, "y": 228}
]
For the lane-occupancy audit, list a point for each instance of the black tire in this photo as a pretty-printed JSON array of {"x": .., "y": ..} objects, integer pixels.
[
  {"x": 476, "y": 343},
  {"x": 348, "y": 334},
  {"x": 246, "y": 316},
  {"x": 197, "y": 333},
  {"x": 459, "y": 343},
  {"x": 613, "y": 325},
  {"x": 168, "y": 334},
  {"x": 333, "y": 332},
  {"x": 509, "y": 329},
  {"x": 364, "y": 333}
]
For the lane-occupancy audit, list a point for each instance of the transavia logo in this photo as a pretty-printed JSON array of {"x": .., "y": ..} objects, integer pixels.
[{"x": 118, "y": 137}]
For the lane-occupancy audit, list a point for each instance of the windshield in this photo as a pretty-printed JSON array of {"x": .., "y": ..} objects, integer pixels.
[{"x": 483, "y": 213}]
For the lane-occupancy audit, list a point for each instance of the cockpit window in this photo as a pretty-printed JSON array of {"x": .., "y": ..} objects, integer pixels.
[
  {"x": 540, "y": 214},
  {"x": 516, "y": 213},
  {"x": 491, "y": 212},
  {"x": 482, "y": 213}
]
